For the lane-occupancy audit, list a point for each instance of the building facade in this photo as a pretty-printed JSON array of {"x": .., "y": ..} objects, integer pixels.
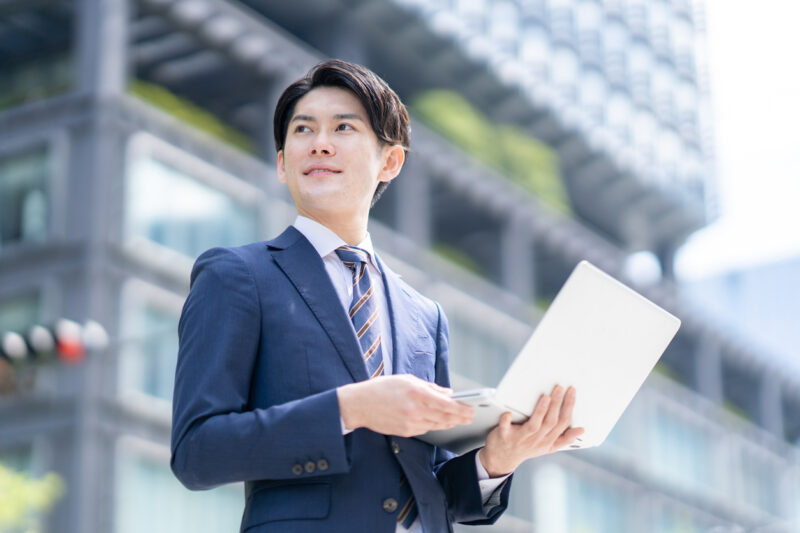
[{"x": 135, "y": 134}]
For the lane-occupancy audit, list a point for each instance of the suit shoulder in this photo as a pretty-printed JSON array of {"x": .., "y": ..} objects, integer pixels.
[{"x": 223, "y": 260}]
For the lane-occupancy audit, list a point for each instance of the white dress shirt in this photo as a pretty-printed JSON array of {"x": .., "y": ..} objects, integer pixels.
[{"x": 325, "y": 242}]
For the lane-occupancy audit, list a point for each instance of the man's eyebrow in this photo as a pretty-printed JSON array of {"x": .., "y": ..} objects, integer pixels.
[
  {"x": 349, "y": 116},
  {"x": 341, "y": 116},
  {"x": 305, "y": 118}
]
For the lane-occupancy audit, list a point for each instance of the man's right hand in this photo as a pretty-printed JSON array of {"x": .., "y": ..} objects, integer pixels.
[{"x": 401, "y": 405}]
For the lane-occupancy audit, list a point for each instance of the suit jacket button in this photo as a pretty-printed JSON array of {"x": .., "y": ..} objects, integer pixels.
[
  {"x": 297, "y": 469},
  {"x": 395, "y": 447},
  {"x": 322, "y": 464},
  {"x": 390, "y": 505},
  {"x": 310, "y": 467}
]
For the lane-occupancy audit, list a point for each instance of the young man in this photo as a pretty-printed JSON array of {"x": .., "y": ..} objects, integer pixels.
[{"x": 306, "y": 366}]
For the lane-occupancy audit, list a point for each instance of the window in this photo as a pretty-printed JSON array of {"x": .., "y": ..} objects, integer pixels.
[
  {"x": 149, "y": 351},
  {"x": 477, "y": 354},
  {"x": 185, "y": 212},
  {"x": 535, "y": 51},
  {"x": 575, "y": 502},
  {"x": 19, "y": 313},
  {"x": 504, "y": 24},
  {"x": 23, "y": 196},
  {"x": 680, "y": 450},
  {"x": 149, "y": 498},
  {"x": 596, "y": 506}
]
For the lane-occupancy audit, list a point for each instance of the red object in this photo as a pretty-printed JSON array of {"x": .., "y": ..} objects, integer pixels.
[{"x": 71, "y": 350}]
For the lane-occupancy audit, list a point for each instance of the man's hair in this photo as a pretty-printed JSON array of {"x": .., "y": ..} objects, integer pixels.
[{"x": 387, "y": 114}]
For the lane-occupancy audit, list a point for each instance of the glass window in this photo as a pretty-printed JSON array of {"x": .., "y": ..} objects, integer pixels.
[
  {"x": 535, "y": 51},
  {"x": 758, "y": 482},
  {"x": 565, "y": 68},
  {"x": 23, "y": 196},
  {"x": 169, "y": 207},
  {"x": 504, "y": 22},
  {"x": 618, "y": 114},
  {"x": 149, "y": 352},
  {"x": 476, "y": 354},
  {"x": 588, "y": 16},
  {"x": 675, "y": 521},
  {"x": 680, "y": 451},
  {"x": 596, "y": 507},
  {"x": 19, "y": 313},
  {"x": 668, "y": 153},
  {"x": 18, "y": 459},
  {"x": 149, "y": 498},
  {"x": 593, "y": 93}
]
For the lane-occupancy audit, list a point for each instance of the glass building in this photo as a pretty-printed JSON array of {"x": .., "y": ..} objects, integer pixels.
[{"x": 134, "y": 134}]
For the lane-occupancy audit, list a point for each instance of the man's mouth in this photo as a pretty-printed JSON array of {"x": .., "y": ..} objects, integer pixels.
[{"x": 321, "y": 171}]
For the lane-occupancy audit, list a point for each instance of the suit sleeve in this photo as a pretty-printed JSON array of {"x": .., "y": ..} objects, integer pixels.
[
  {"x": 216, "y": 437},
  {"x": 457, "y": 474}
]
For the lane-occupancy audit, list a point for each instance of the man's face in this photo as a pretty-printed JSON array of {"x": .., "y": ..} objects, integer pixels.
[{"x": 332, "y": 161}]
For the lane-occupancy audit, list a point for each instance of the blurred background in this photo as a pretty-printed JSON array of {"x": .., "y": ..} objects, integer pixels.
[{"x": 655, "y": 138}]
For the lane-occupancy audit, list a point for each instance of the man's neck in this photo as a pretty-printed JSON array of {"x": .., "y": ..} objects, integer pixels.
[{"x": 352, "y": 230}]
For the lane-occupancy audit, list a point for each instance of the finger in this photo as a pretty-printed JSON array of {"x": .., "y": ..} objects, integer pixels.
[
  {"x": 439, "y": 388},
  {"x": 553, "y": 412},
  {"x": 444, "y": 404},
  {"x": 533, "y": 423},
  {"x": 567, "y": 438},
  {"x": 565, "y": 417}
]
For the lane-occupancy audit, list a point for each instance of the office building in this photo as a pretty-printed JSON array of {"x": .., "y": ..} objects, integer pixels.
[{"x": 134, "y": 134}]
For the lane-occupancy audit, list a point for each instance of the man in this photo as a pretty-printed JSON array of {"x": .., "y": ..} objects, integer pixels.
[{"x": 306, "y": 365}]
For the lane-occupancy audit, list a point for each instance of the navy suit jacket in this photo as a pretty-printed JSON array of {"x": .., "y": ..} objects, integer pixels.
[{"x": 264, "y": 343}]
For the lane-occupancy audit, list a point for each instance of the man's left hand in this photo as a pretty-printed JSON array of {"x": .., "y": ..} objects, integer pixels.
[{"x": 546, "y": 431}]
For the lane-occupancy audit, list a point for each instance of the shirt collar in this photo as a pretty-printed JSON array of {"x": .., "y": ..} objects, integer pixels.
[{"x": 325, "y": 241}]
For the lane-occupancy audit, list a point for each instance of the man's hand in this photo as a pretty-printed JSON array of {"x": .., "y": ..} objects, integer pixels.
[
  {"x": 546, "y": 431},
  {"x": 401, "y": 404}
]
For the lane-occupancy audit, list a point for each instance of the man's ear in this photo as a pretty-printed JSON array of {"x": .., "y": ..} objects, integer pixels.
[
  {"x": 393, "y": 158},
  {"x": 281, "y": 168}
]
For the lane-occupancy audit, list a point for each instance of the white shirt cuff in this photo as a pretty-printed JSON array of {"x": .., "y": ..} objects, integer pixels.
[
  {"x": 486, "y": 484},
  {"x": 345, "y": 431}
]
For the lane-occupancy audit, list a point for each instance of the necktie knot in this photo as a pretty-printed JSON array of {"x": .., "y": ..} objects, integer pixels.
[{"x": 352, "y": 256}]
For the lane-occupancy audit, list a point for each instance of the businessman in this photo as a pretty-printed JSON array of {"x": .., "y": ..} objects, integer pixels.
[{"x": 306, "y": 365}]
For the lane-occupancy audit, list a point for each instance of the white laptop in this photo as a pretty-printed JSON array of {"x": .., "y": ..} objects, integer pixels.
[{"x": 599, "y": 336}]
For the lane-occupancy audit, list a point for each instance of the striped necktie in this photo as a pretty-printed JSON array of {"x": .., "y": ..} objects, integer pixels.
[
  {"x": 364, "y": 309},
  {"x": 364, "y": 313}
]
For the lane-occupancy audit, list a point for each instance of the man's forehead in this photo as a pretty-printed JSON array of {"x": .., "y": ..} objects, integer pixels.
[{"x": 335, "y": 102}]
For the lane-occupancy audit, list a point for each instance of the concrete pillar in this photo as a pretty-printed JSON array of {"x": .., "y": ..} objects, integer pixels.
[
  {"x": 102, "y": 46},
  {"x": 770, "y": 404},
  {"x": 265, "y": 136},
  {"x": 412, "y": 193},
  {"x": 92, "y": 203},
  {"x": 708, "y": 368},
  {"x": 517, "y": 257}
]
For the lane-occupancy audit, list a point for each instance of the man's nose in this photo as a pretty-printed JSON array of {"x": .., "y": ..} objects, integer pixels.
[{"x": 322, "y": 145}]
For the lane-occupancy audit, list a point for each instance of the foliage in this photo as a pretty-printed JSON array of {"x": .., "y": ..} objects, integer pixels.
[
  {"x": 37, "y": 79},
  {"x": 524, "y": 159},
  {"x": 25, "y": 501},
  {"x": 191, "y": 114},
  {"x": 454, "y": 255}
]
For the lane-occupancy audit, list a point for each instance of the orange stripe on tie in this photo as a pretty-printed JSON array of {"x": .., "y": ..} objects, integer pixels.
[
  {"x": 373, "y": 348},
  {"x": 361, "y": 301},
  {"x": 406, "y": 509},
  {"x": 368, "y": 323},
  {"x": 378, "y": 371}
]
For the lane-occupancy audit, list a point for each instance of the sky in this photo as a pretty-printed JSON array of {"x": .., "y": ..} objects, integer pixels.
[{"x": 755, "y": 93}]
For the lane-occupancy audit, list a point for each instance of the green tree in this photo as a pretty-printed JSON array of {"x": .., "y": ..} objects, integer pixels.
[{"x": 25, "y": 501}]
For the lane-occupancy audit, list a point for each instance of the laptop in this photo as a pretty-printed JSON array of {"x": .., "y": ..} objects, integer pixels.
[{"x": 599, "y": 336}]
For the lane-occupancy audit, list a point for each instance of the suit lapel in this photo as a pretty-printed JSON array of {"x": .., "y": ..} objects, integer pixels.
[
  {"x": 403, "y": 321},
  {"x": 298, "y": 259}
]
